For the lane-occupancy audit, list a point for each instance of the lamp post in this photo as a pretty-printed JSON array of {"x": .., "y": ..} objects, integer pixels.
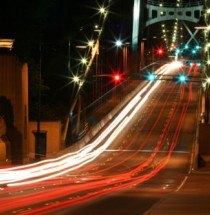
[
  {"x": 39, "y": 100},
  {"x": 69, "y": 60},
  {"x": 119, "y": 45},
  {"x": 103, "y": 11}
]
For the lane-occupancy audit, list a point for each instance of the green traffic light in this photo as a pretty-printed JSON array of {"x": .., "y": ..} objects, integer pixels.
[
  {"x": 152, "y": 77},
  {"x": 182, "y": 78}
]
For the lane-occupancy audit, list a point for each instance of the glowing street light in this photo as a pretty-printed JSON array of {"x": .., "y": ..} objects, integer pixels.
[
  {"x": 118, "y": 43},
  {"x": 81, "y": 83},
  {"x": 91, "y": 43},
  {"x": 76, "y": 79},
  {"x": 102, "y": 10},
  {"x": 208, "y": 80},
  {"x": 84, "y": 61}
]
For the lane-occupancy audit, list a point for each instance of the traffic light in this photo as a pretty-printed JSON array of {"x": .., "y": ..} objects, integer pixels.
[
  {"x": 151, "y": 77},
  {"x": 178, "y": 51},
  {"x": 182, "y": 78},
  {"x": 160, "y": 51},
  {"x": 117, "y": 78}
]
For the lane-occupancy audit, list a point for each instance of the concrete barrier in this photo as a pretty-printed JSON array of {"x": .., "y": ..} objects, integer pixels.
[{"x": 104, "y": 122}]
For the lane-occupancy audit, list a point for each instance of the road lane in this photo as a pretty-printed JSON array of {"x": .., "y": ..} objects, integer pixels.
[{"x": 129, "y": 161}]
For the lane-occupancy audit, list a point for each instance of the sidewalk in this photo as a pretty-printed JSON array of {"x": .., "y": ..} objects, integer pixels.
[{"x": 192, "y": 197}]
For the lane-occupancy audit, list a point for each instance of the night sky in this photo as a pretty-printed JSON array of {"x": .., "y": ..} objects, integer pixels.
[{"x": 53, "y": 23}]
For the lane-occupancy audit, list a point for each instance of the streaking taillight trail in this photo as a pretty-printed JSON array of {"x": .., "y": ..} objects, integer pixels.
[{"x": 50, "y": 168}]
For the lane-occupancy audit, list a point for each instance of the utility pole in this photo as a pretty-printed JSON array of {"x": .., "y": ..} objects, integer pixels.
[
  {"x": 69, "y": 61},
  {"x": 39, "y": 98}
]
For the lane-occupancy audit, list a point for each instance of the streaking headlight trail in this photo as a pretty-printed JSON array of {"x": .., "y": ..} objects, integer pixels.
[{"x": 50, "y": 168}]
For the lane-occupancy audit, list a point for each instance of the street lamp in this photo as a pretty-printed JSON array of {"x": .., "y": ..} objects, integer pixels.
[
  {"x": 102, "y": 10},
  {"x": 76, "y": 79},
  {"x": 118, "y": 43},
  {"x": 39, "y": 102},
  {"x": 95, "y": 52},
  {"x": 208, "y": 80},
  {"x": 91, "y": 43},
  {"x": 84, "y": 61}
]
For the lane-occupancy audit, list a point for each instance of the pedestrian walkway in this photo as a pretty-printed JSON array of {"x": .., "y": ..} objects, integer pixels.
[{"x": 192, "y": 197}]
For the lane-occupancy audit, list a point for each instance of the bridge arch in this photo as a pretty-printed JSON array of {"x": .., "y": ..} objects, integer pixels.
[
  {"x": 160, "y": 14},
  {"x": 156, "y": 12}
]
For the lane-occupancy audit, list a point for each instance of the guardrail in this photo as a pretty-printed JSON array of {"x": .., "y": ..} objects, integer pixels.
[{"x": 118, "y": 93}]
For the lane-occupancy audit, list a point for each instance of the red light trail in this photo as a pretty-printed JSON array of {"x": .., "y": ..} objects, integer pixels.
[{"x": 85, "y": 186}]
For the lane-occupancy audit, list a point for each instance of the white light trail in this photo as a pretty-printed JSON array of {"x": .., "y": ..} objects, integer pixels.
[{"x": 55, "y": 167}]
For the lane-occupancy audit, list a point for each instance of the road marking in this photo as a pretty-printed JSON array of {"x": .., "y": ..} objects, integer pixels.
[
  {"x": 133, "y": 150},
  {"x": 181, "y": 185}
]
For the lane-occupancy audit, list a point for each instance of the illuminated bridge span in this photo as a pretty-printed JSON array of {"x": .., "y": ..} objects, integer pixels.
[{"x": 160, "y": 12}]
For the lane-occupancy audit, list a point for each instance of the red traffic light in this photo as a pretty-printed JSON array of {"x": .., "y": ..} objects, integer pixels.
[
  {"x": 117, "y": 77},
  {"x": 160, "y": 51}
]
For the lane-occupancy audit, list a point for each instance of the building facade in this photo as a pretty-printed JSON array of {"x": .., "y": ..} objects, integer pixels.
[{"x": 14, "y": 107}]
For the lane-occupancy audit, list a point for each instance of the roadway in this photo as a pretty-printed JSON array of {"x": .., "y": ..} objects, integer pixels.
[{"x": 147, "y": 160}]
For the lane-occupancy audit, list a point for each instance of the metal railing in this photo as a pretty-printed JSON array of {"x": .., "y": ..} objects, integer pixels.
[{"x": 116, "y": 95}]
